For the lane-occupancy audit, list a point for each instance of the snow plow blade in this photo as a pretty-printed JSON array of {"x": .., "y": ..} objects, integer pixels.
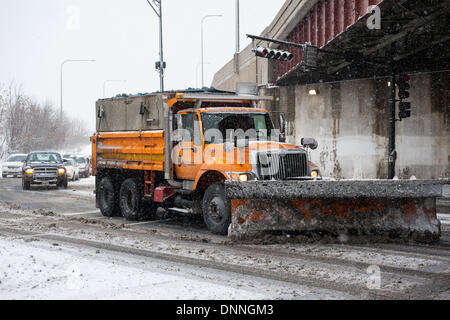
[{"x": 384, "y": 208}]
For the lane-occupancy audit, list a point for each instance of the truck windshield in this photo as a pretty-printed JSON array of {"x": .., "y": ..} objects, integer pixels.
[
  {"x": 44, "y": 158},
  {"x": 255, "y": 126}
]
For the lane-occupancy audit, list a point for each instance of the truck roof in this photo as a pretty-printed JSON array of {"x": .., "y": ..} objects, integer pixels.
[{"x": 228, "y": 109}]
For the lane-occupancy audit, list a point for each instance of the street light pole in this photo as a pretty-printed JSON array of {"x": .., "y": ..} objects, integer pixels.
[
  {"x": 106, "y": 81},
  {"x": 203, "y": 20},
  {"x": 61, "y": 88}
]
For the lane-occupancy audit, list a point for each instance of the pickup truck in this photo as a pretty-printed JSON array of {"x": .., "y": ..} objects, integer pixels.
[{"x": 44, "y": 168}]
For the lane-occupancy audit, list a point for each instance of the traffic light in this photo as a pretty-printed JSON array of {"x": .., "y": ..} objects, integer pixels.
[
  {"x": 403, "y": 87},
  {"x": 405, "y": 110},
  {"x": 273, "y": 54},
  {"x": 403, "y": 93}
]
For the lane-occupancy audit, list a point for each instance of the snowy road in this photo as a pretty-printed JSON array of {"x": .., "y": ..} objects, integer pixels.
[{"x": 55, "y": 244}]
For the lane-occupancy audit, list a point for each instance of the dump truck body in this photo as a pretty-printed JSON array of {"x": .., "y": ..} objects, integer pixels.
[{"x": 219, "y": 155}]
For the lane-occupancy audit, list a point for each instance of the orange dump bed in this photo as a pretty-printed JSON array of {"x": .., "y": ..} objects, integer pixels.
[{"x": 128, "y": 150}]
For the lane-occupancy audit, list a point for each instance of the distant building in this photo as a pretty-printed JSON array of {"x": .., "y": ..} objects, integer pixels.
[{"x": 350, "y": 114}]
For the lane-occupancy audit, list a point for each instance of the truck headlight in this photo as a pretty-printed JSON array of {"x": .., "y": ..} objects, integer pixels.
[
  {"x": 61, "y": 171},
  {"x": 29, "y": 171},
  {"x": 243, "y": 177},
  {"x": 315, "y": 174}
]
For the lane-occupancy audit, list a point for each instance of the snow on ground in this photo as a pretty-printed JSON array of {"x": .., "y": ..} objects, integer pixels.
[
  {"x": 82, "y": 187},
  {"x": 31, "y": 269},
  {"x": 85, "y": 182}
]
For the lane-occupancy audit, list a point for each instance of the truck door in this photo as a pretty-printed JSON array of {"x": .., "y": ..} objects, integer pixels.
[{"x": 189, "y": 160}]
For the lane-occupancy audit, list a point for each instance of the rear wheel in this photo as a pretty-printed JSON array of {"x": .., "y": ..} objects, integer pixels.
[
  {"x": 216, "y": 209},
  {"x": 108, "y": 198},
  {"x": 132, "y": 205}
]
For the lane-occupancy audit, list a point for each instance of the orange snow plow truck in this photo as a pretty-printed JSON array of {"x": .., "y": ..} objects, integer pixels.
[{"x": 217, "y": 154}]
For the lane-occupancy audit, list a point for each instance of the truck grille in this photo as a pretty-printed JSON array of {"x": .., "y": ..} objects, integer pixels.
[
  {"x": 45, "y": 172},
  {"x": 282, "y": 165}
]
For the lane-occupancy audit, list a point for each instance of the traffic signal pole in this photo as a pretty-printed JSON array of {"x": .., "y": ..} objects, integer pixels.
[{"x": 392, "y": 152}]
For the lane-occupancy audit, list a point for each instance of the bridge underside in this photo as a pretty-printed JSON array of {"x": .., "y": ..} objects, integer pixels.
[{"x": 414, "y": 37}]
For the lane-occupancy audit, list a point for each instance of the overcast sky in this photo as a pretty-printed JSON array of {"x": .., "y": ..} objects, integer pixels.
[{"x": 122, "y": 36}]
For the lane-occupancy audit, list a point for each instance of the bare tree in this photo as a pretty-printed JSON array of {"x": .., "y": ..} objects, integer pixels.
[{"x": 28, "y": 125}]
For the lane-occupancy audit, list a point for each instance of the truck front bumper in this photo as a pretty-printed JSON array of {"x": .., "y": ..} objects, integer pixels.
[{"x": 44, "y": 180}]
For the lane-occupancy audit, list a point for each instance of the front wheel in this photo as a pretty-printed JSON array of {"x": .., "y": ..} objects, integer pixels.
[
  {"x": 62, "y": 184},
  {"x": 216, "y": 209}
]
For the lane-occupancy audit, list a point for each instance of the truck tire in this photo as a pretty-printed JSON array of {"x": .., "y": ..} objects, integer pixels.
[
  {"x": 130, "y": 200},
  {"x": 216, "y": 209},
  {"x": 108, "y": 198},
  {"x": 25, "y": 184}
]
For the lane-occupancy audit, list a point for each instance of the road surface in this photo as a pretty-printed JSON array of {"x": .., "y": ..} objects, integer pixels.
[{"x": 55, "y": 244}]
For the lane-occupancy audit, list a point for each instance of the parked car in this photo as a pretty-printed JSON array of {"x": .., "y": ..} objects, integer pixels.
[
  {"x": 44, "y": 168},
  {"x": 13, "y": 165},
  {"x": 72, "y": 170},
  {"x": 84, "y": 166}
]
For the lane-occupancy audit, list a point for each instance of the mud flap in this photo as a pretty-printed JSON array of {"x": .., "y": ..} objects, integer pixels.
[{"x": 396, "y": 210}]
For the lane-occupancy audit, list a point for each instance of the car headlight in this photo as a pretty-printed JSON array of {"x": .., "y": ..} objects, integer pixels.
[
  {"x": 315, "y": 174},
  {"x": 61, "y": 171},
  {"x": 29, "y": 171}
]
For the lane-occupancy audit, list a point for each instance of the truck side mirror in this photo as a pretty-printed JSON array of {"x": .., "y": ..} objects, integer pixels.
[
  {"x": 282, "y": 127},
  {"x": 309, "y": 143}
]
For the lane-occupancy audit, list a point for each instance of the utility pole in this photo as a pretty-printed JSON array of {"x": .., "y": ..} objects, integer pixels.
[{"x": 160, "y": 65}]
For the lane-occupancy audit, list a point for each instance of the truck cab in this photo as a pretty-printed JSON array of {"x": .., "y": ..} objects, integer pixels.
[{"x": 239, "y": 143}]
